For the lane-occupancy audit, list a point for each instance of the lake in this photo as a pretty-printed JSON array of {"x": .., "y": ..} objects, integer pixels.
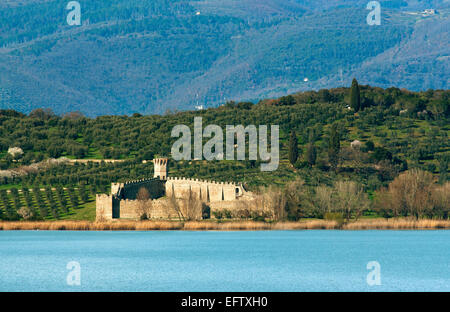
[{"x": 314, "y": 260}]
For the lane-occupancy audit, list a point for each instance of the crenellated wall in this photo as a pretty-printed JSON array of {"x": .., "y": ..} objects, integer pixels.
[
  {"x": 170, "y": 197},
  {"x": 207, "y": 191},
  {"x": 130, "y": 189}
]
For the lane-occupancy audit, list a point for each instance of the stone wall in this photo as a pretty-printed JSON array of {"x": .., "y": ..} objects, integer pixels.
[
  {"x": 129, "y": 190},
  {"x": 248, "y": 204},
  {"x": 103, "y": 207},
  {"x": 128, "y": 209},
  {"x": 189, "y": 197},
  {"x": 207, "y": 191},
  {"x": 162, "y": 208}
]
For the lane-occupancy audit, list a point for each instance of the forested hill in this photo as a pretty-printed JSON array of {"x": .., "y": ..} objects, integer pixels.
[
  {"x": 398, "y": 130},
  {"x": 148, "y": 56}
]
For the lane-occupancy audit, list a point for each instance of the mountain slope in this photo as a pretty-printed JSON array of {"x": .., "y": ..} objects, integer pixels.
[{"x": 152, "y": 55}]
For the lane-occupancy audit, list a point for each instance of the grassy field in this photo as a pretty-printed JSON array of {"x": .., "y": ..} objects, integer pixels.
[
  {"x": 46, "y": 204},
  {"x": 85, "y": 211}
]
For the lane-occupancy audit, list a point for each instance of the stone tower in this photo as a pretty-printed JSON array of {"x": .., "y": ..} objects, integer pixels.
[{"x": 160, "y": 168}]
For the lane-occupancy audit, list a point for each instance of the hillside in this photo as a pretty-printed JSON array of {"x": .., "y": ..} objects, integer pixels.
[
  {"x": 399, "y": 130},
  {"x": 149, "y": 56}
]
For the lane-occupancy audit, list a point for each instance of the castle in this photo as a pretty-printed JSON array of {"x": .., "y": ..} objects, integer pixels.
[{"x": 172, "y": 198}]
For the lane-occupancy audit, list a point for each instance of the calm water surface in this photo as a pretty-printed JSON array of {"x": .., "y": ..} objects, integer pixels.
[{"x": 225, "y": 261}]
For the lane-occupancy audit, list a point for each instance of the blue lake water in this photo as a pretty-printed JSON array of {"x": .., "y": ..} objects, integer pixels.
[{"x": 225, "y": 261}]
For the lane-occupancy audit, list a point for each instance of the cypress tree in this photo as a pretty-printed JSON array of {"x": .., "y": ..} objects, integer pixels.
[
  {"x": 293, "y": 148},
  {"x": 355, "y": 97},
  {"x": 311, "y": 154},
  {"x": 334, "y": 146},
  {"x": 443, "y": 167}
]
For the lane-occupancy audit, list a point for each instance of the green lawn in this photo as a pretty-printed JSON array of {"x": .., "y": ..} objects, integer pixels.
[{"x": 84, "y": 212}]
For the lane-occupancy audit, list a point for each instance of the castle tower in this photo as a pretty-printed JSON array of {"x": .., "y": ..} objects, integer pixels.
[{"x": 161, "y": 168}]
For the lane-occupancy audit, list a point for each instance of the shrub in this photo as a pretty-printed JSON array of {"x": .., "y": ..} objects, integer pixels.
[
  {"x": 218, "y": 214},
  {"x": 335, "y": 216}
]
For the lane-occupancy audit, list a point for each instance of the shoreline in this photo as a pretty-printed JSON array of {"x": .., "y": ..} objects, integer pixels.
[{"x": 364, "y": 224}]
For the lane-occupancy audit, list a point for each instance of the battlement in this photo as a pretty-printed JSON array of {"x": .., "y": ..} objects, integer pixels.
[
  {"x": 102, "y": 196},
  {"x": 130, "y": 189},
  {"x": 188, "y": 180},
  {"x": 136, "y": 182},
  {"x": 205, "y": 190},
  {"x": 160, "y": 168},
  {"x": 116, "y": 186}
]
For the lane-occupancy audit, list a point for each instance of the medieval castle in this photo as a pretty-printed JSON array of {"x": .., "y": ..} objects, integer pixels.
[{"x": 171, "y": 198}]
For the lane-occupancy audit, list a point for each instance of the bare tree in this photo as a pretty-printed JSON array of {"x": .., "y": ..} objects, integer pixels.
[
  {"x": 383, "y": 204},
  {"x": 414, "y": 193},
  {"x": 411, "y": 192},
  {"x": 295, "y": 199},
  {"x": 193, "y": 208},
  {"x": 441, "y": 200},
  {"x": 173, "y": 204},
  {"x": 144, "y": 205},
  {"x": 350, "y": 197},
  {"x": 274, "y": 200},
  {"x": 321, "y": 200}
]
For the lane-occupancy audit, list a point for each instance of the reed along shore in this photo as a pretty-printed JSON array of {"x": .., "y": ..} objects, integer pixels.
[{"x": 365, "y": 224}]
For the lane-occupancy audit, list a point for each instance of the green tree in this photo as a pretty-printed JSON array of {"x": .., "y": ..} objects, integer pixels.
[
  {"x": 355, "y": 96},
  {"x": 443, "y": 167},
  {"x": 293, "y": 148},
  {"x": 334, "y": 146},
  {"x": 40, "y": 201},
  {"x": 369, "y": 146},
  {"x": 93, "y": 189},
  {"x": 62, "y": 198},
  {"x": 84, "y": 195},
  {"x": 311, "y": 154},
  {"x": 55, "y": 150},
  {"x": 73, "y": 197}
]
